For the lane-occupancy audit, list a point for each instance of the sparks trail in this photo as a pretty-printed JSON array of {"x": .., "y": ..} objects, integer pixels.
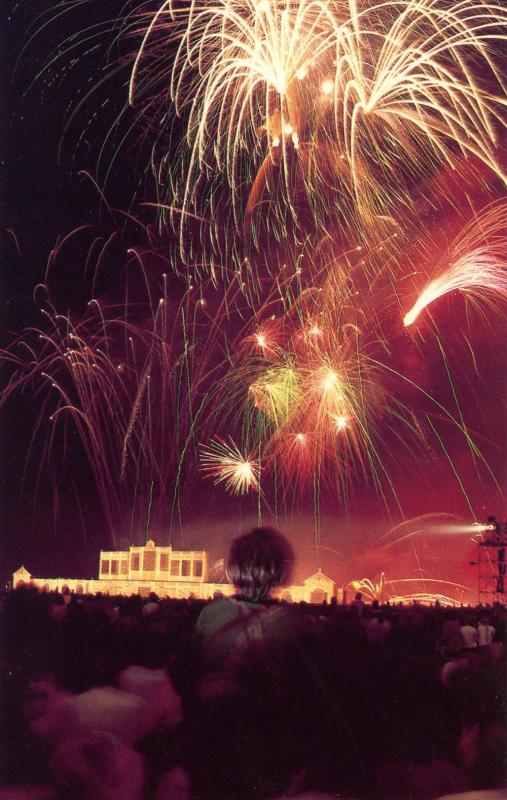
[
  {"x": 316, "y": 389},
  {"x": 272, "y": 343},
  {"x": 476, "y": 262},
  {"x": 114, "y": 373},
  {"x": 345, "y": 104},
  {"x": 301, "y": 389}
]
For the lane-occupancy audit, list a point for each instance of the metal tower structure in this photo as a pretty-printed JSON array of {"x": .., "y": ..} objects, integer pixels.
[{"x": 492, "y": 564}]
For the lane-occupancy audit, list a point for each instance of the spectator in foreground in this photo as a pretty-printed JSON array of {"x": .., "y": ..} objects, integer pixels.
[
  {"x": 469, "y": 633},
  {"x": 245, "y": 733},
  {"x": 230, "y": 627}
]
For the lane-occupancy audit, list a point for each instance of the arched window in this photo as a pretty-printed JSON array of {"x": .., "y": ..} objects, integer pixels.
[
  {"x": 318, "y": 596},
  {"x": 65, "y": 589},
  {"x": 287, "y": 597},
  {"x": 79, "y": 589}
]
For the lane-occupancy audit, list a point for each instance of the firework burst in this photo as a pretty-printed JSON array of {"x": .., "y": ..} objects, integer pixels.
[
  {"x": 224, "y": 462},
  {"x": 306, "y": 133},
  {"x": 347, "y": 104}
]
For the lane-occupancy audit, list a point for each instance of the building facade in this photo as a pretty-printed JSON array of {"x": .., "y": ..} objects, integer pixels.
[{"x": 169, "y": 573}]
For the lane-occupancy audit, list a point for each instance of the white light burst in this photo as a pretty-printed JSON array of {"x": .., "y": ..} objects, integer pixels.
[{"x": 224, "y": 462}]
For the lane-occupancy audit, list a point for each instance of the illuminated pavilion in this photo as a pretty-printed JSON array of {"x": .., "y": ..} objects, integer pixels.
[{"x": 169, "y": 573}]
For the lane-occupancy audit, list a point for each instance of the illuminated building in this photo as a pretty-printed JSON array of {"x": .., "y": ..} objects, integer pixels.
[{"x": 168, "y": 573}]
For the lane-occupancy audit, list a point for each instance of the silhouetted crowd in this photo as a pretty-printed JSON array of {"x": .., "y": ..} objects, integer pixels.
[{"x": 114, "y": 698}]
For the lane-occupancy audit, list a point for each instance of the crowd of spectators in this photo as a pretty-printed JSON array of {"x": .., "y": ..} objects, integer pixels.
[{"x": 114, "y": 698}]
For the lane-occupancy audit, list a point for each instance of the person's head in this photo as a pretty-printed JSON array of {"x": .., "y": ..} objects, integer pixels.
[{"x": 259, "y": 561}]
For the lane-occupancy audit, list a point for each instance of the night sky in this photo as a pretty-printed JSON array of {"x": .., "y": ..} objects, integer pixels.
[{"x": 52, "y": 517}]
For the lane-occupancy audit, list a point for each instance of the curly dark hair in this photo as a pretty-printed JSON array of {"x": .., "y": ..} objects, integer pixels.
[{"x": 258, "y": 561}]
